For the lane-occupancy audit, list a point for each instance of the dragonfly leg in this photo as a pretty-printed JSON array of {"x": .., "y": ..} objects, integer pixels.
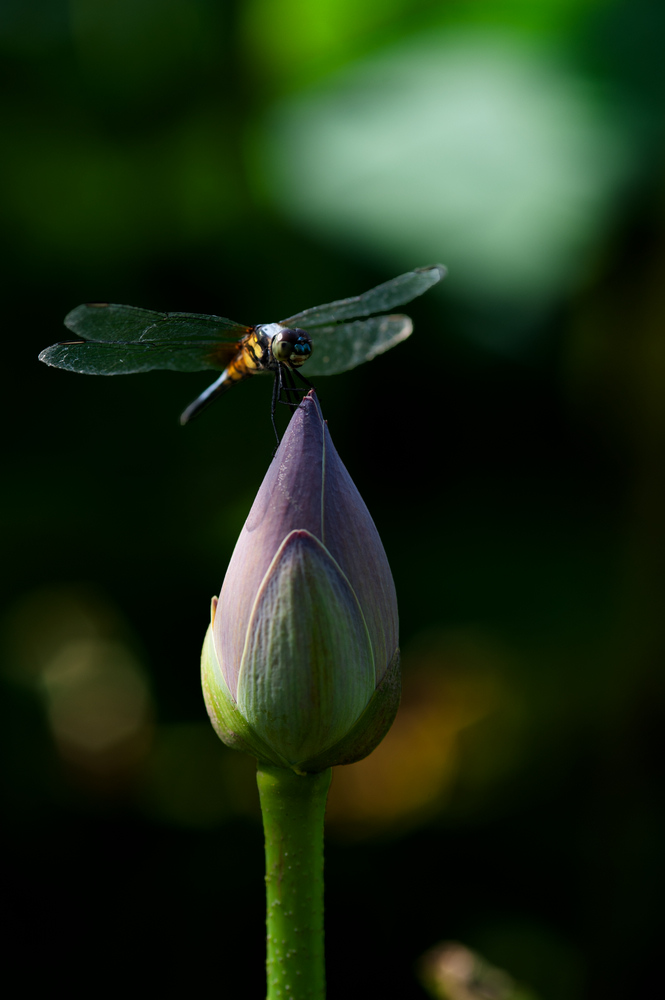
[
  {"x": 302, "y": 379},
  {"x": 284, "y": 385},
  {"x": 289, "y": 386},
  {"x": 276, "y": 393}
]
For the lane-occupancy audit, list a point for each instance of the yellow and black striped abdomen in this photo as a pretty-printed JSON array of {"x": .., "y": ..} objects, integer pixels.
[{"x": 253, "y": 356}]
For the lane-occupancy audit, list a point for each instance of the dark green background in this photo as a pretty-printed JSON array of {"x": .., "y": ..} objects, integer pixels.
[{"x": 516, "y": 480}]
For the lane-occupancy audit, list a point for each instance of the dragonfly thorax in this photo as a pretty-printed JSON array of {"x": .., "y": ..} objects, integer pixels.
[{"x": 288, "y": 344}]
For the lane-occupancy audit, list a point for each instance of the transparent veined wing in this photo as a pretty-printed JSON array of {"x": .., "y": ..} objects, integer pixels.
[
  {"x": 341, "y": 346},
  {"x": 108, "y": 323},
  {"x": 396, "y": 292},
  {"x": 89, "y": 358},
  {"x": 117, "y": 339}
]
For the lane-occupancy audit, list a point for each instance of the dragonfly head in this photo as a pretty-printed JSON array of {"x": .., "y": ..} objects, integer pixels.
[{"x": 291, "y": 345}]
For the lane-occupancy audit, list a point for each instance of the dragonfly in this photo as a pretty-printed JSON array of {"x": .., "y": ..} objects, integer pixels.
[{"x": 121, "y": 340}]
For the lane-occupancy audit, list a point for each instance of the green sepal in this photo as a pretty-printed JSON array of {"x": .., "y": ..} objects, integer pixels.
[
  {"x": 307, "y": 671},
  {"x": 235, "y": 731},
  {"x": 227, "y": 721},
  {"x": 370, "y": 728}
]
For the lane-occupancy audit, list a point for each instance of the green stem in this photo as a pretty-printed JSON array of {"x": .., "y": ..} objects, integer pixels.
[{"x": 293, "y": 808}]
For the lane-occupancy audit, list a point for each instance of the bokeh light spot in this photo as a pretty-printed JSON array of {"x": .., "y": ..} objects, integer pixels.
[{"x": 480, "y": 149}]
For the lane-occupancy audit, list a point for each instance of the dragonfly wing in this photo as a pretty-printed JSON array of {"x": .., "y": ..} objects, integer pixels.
[
  {"x": 88, "y": 358},
  {"x": 344, "y": 345},
  {"x": 120, "y": 340},
  {"x": 108, "y": 323},
  {"x": 392, "y": 293}
]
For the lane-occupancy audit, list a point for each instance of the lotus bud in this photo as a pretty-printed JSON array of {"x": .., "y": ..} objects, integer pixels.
[{"x": 300, "y": 665}]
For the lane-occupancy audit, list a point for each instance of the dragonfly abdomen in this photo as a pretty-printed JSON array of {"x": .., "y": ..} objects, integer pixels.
[{"x": 253, "y": 356}]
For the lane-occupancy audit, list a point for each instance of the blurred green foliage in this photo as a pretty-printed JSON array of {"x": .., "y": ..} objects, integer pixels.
[{"x": 252, "y": 159}]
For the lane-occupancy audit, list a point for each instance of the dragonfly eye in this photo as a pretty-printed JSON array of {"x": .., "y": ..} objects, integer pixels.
[{"x": 294, "y": 346}]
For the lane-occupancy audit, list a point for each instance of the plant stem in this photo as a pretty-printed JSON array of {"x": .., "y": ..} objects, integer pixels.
[{"x": 293, "y": 808}]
